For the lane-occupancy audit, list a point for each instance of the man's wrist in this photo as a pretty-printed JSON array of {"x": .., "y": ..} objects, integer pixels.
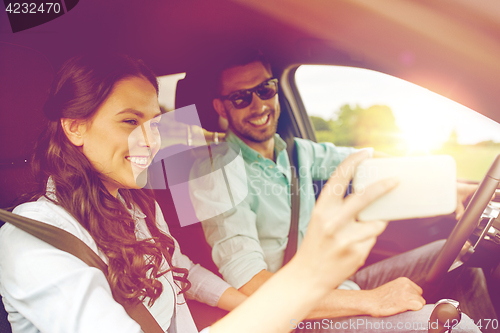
[
  {"x": 367, "y": 303},
  {"x": 343, "y": 303}
]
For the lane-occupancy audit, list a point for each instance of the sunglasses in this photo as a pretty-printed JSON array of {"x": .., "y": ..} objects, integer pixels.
[{"x": 243, "y": 98}]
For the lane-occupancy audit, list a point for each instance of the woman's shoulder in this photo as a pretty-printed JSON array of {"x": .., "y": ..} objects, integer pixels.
[
  {"x": 46, "y": 211},
  {"x": 43, "y": 208}
]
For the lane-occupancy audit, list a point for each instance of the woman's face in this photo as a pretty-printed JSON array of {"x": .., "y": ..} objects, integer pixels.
[{"x": 122, "y": 137}]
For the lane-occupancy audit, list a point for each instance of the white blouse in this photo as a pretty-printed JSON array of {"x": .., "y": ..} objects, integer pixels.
[{"x": 46, "y": 289}]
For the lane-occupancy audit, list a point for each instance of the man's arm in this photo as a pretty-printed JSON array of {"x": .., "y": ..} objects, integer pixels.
[
  {"x": 232, "y": 232},
  {"x": 331, "y": 251},
  {"x": 230, "y": 299},
  {"x": 394, "y": 297},
  {"x": 258, "y": 280},
  {"x": 322, "y": 158}
]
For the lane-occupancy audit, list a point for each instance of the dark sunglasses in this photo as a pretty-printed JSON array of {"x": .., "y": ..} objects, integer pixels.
[{"x": 243, "y": 98}]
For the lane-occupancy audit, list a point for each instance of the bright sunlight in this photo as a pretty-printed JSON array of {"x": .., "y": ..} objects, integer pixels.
[{"x": 399, "y": 117}]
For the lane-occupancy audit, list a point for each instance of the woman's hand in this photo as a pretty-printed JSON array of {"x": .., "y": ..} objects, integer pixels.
[{"x": 336, "y": 245}]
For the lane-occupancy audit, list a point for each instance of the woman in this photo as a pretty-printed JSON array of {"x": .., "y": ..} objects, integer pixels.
[{"x": 87, "y": 167}]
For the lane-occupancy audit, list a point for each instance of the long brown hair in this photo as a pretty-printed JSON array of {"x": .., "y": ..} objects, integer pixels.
[{"x": 79, "y": 88}]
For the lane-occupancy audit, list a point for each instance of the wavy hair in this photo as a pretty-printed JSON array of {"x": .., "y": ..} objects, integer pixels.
[{"x": 79, "y": 88}]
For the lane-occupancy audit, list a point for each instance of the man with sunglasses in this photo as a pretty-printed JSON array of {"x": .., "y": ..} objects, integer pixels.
[
  {"x": 249, "y": 241},
  {"x": 253, "y": 120}
]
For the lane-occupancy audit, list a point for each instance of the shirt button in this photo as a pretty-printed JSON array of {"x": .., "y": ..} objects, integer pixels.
[
  {"x": 271, "y": 167},
  {"x": 259, "y": 156}
]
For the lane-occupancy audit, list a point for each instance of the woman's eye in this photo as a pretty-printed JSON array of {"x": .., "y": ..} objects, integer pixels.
[{"x": 131, "y": 122}]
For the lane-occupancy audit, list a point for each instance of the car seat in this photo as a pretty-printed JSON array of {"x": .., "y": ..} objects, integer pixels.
[
  {"x": 26, "y": 76},
  {"x": 191, "y": 90},
  {"x": 196, "y": 89}
]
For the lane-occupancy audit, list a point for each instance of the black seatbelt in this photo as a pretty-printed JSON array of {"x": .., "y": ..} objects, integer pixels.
[
  {"x": 293, "y": 234},
  {"x": 67, "y": 242}
]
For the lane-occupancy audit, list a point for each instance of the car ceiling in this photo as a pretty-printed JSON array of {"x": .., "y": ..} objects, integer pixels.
[{"x": 449, "y": 46}]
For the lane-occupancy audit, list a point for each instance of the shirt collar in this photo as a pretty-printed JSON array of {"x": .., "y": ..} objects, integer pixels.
[
  {"x": 135, "y": 212},
  {"x": 251, "y": 154},
  {"x": 50, "y": 190}
]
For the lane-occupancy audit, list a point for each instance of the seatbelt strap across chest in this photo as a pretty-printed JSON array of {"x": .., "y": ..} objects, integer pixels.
[
  {"x": 67, "y": 242},
  {"x": 293, "y": 234}
]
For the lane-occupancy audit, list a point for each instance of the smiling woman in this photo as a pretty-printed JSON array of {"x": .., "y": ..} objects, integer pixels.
[
  {"x": 131, "y": 103},
  {"x": 104, "y": 113},
  {"x": 86, "y": 161}
]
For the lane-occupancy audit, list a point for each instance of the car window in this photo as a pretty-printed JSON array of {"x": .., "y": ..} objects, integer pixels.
[{"x": 363, "y": 108}]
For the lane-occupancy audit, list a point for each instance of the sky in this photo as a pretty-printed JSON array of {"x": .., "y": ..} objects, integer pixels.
[{"x": 425, "y": 118}]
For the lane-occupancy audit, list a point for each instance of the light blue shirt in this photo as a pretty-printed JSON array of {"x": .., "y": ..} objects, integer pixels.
[{"x": 253, "y": 235}]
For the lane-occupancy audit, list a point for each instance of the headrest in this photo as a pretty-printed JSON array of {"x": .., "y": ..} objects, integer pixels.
[
  {"x": 197, "y": 89},
  {"x": 26, "y": 76}
]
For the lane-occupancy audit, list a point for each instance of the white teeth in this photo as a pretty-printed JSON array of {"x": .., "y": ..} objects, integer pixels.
[
  {"x": 138, "y": 160},
  {"x": 260, "y": 121}
]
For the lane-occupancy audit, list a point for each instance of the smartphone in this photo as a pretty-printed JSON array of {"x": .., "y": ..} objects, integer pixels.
[{"x": 427, "y": 187}]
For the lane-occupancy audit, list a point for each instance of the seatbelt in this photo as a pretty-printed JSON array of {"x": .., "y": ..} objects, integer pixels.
[
  {"x": 293, "y": 234},
  {"x": 67, "y": 242}
]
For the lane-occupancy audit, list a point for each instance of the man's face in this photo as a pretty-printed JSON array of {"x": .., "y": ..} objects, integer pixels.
[{"x": 258, "y": 121}]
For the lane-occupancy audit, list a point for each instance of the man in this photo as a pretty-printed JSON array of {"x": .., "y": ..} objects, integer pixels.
[{"x": 249, "y": 241}]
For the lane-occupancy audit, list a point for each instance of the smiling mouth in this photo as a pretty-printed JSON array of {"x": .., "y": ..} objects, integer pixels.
[
  {"x": 139, "y": 161},
  {"x": 260, "y": 121}
]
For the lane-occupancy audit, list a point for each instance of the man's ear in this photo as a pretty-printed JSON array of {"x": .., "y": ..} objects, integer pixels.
[
  {"x": 219, "y": 107},
  {"x": 74, "y": 130}
]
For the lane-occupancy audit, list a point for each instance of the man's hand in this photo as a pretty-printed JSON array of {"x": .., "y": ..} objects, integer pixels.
[
  {"x": 464, "y": 193},
  {"x": 394, "y": 297}
]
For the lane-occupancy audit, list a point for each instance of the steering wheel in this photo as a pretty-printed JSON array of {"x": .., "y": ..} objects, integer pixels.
[{"x": 467, "y": 223}]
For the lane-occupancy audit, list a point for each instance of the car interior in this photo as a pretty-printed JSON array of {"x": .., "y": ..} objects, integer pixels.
[{"x": 448, "y": 47}]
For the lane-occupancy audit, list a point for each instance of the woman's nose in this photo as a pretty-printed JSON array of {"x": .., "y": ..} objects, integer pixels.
[{"x": 148, "y": 137}]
